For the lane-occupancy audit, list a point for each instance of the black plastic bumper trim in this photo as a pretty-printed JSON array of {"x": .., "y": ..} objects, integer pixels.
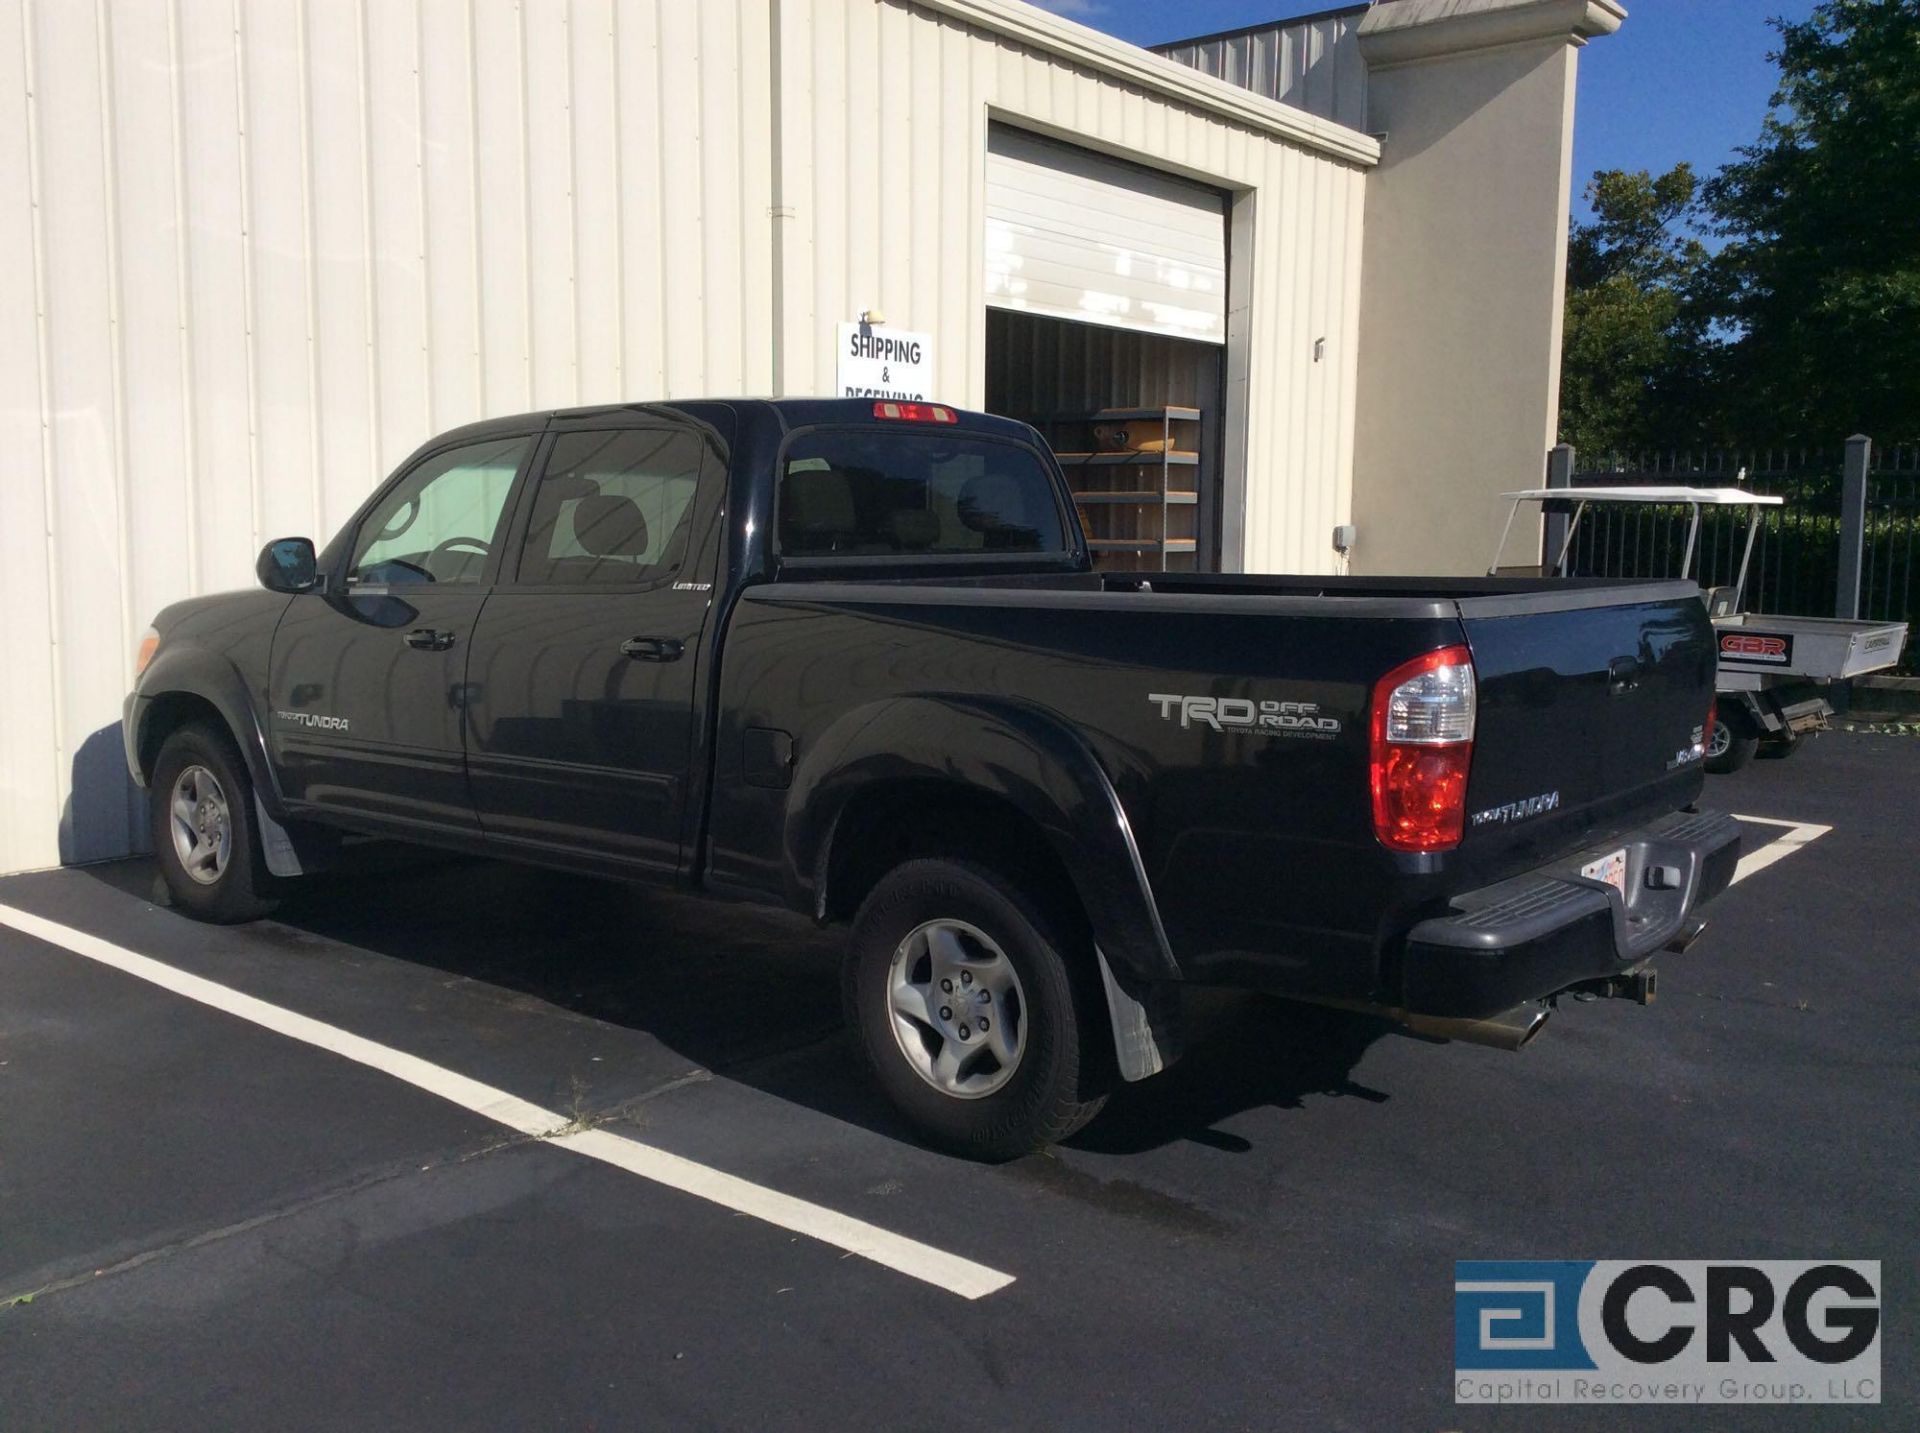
[{"x": 1534, "y": 935}]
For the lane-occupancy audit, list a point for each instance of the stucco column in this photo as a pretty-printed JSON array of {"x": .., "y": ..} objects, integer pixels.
[{"x": 1463, "y": 268}]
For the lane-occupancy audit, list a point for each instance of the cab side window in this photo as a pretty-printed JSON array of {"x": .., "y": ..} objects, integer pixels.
[
  {"x": 441, "y": 520},
  {"x": 614, "y": 507}
]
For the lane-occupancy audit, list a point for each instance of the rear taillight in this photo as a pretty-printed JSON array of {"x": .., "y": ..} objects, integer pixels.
[
  {"x": 1422, "y": 748},
  {"x": 1713, "y": 715},
  {"x": 916, "y": 412}
]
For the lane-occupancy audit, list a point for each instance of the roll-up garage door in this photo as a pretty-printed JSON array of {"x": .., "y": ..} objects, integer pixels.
[{"x": 1075, "y": 235}]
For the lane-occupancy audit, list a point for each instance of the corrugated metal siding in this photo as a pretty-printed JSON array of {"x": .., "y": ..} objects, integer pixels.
[
  {"x": 1312, "y": 64},
  {"x": 258, "y": 249},
  {"x": 1038, "y": 369}
]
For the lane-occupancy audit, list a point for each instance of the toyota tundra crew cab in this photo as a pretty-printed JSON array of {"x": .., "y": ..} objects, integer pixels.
[{"x": 852, "y": 657}]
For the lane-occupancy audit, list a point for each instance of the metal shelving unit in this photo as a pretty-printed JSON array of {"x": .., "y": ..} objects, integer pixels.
[{"x": 1139, "y": 503}]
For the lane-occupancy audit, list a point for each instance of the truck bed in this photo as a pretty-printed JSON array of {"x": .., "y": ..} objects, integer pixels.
[
  {"x": 1410, "y": 597},
  {"x": 1258, "y": 846},
  {"x": 1822, "y": 648}
]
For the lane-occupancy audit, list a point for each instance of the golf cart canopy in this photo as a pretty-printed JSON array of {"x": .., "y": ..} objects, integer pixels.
[
  {"x": 1704, "y": 497},
  {"x": 1767, "y": 665},
  {"x": 1695, "y": 498}
]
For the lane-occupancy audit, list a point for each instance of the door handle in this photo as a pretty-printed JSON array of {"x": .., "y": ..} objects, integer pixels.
[
  {"x": 1623, "y": 675},
  {"x": 425, "y": 639},
  {"x": 653, "y": 649}
]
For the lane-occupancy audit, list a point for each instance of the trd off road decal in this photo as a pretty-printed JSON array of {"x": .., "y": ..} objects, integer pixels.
[{"x": 1245, "y": 714}]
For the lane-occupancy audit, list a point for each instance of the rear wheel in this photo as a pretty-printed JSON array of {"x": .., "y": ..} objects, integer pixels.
[
  {"x": 205, "y": 837},
  {"x": 1727, "y": 752},
  {"x": 966, "y": 1011}
]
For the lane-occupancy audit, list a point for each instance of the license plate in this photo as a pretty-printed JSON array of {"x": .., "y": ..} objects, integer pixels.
[{"x": 1611, "y": 869}]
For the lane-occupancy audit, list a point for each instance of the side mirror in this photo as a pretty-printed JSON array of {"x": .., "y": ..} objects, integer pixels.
[{"x": 288, "y": 564}]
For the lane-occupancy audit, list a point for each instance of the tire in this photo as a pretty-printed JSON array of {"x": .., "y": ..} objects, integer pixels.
[
  {"x": 202, "y": 801},
  {"x": 1727, "y": 752},
  {"x": 927, "y": 917}
]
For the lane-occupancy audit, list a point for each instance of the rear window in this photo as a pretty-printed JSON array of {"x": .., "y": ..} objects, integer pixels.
[
  {"x": 854, "y": 493},
  {"x": 613, "y": 507}
]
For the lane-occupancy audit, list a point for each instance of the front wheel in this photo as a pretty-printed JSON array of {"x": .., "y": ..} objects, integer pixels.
[
  {"x": 204, "y": 834},
  {"x": 965, "y": 1010},
  {"x": 1727, "y": 752}
]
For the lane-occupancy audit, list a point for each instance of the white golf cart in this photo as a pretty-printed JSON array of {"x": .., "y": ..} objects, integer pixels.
[{"x": 1774, "y": 671}]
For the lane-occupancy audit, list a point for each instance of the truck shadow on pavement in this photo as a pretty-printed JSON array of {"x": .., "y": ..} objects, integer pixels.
[
  {"x": 1243, "y": 1052},
  {"x": 752, "y": 993}
]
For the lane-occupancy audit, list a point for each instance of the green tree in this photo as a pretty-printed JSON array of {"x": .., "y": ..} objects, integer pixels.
[
  {"x": 1819, "y": 280},
  {"x": 1634, "y": 350}
]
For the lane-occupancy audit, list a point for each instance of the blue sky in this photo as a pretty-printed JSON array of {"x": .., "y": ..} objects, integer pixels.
[{"x": 1683, "y": 79}]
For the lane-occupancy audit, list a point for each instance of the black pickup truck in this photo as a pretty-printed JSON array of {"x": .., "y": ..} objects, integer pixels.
[{"x": 852, "y": 657}]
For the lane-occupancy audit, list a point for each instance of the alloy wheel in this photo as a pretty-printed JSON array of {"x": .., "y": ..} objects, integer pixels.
[
  {"x": 957, "y": 1009},
  {"x": 201, "y": 824}
]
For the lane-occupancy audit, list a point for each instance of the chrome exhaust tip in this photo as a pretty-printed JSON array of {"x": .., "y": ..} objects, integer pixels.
[
  {"x": 1690, "y": 931},
  {"x": 1508, "y": 1030}
]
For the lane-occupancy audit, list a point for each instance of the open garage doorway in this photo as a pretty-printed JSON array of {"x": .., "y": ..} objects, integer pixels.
[
  {"x": 1108, "y": 401},
  {"x": 1106, "y": 291}
]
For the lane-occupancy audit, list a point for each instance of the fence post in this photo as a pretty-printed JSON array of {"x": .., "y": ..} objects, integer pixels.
[
  {"x": 1853, "y": 524},
  {"x": 1553, "y": 533}
]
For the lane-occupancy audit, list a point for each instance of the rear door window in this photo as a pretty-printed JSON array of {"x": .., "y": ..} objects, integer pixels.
[
  {"x": 614, "y": 508},
  {"x": 861, "y": 493}
]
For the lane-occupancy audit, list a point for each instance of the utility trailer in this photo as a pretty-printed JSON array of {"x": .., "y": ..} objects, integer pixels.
[{"x": 1774, "y": 670}]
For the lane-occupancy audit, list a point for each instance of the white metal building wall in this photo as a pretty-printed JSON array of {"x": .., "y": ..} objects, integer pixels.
[
  {"x": 253, "y": 251},
  {"x": 884, "y": 112}
]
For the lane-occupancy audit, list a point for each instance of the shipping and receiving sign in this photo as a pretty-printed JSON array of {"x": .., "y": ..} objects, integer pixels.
[{"x": 880, "y": 362}]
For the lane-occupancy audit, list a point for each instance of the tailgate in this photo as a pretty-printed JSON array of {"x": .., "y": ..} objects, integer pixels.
[{"x": 1591, "y": 708}]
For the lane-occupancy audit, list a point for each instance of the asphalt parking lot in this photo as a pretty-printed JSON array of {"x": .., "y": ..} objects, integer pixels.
[{"x": 208, "y": 1222}]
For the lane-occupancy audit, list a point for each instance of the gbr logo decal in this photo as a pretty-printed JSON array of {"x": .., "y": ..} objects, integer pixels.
[{"x": 1758, "y": 647}]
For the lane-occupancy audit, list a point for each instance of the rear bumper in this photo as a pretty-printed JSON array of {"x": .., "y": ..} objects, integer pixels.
[{"x": 1536, "y": 935}]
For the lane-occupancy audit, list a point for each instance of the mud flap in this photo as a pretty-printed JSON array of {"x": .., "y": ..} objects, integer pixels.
[
  {"x": 1146, "y": 1036},
  {"x": 276, "y": 844}
]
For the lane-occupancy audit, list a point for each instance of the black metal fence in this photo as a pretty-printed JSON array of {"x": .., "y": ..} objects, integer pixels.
[
  {"x": 1801, "y": 560},
  {"x": 1795, "y": 555},
  {"x": 1890, "y": 538}
]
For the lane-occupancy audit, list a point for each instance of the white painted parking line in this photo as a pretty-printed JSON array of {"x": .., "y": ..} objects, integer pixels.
[
  {"x": 894, "y": 1251},
  {"x": 1800, "y": 835}
]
